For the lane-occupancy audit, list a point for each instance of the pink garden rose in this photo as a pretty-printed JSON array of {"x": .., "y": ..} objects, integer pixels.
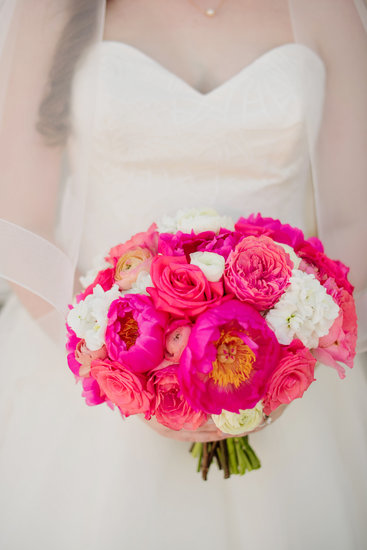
[
  {"x": 184, "y": 244},
  {"x": 181, "y": 288},
  {"x": 258, "y": 271},
  {"x": 176, "y": 338},
  {"x": 170, "y": 407},
  {"x": 292, "y": 377},
  {"x": 85, "y": 356},
  {"x": 340, "y": 343},
  {"x": 229, "y": 357},
  {"x": 124, "y": 388},
  {"x": 135, "y": 332}
]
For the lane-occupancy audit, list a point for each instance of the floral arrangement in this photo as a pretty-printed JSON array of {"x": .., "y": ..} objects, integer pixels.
[{"x": 201, "y": 318}]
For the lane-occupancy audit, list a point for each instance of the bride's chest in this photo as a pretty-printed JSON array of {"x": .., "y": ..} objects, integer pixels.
[{"x": 142, "y": 108}]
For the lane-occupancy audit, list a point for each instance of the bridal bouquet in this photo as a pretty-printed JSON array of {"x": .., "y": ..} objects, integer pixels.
[{"x": 201, "y": 318}]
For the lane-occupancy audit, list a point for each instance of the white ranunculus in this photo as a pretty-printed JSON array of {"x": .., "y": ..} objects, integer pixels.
[
  {"x": 99, "y": 263},
  {"x": 295, "y": 259},
  {"x": 141, "y": 284},
  {"x": 88, "y": 319},
  {"x": 210, "y": 263},
  {"x": 197, "y": 220},
  {"x": 237, "y": 423},
  {"x": 305, "y": 311}
]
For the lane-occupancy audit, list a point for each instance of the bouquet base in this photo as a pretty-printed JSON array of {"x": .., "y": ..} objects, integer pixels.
[{"x": 233, "y": 455}]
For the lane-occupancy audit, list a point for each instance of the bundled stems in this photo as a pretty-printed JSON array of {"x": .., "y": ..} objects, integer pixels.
[{"x": 233, "y": 455}]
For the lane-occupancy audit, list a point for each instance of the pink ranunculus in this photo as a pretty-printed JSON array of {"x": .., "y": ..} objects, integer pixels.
[
  {"x": 130, "y": 265},
  {"x": 176, "y": 338},
  {"x": 181, "y": 288},
  {"x": 258, "y": 271},
  {"x": 323, "y": 267},
  {"x": 105, "y": 278},
  {"x": 146, "y": 240},
  {"x": 170, "y": 407},
  {"x": 256, "y": 225},
  {"x": 123, "y": 387},
  {"x": 135, "y": 332},
  {"x": 85, "y": 356},
  {"x": 230, "y": 355},
  {"x": 184, "y": 244},
  {"x": 292, "y": 377},
  {"x": 340, "y": 343}
]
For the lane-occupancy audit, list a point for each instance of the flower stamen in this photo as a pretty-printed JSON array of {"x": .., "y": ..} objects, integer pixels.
[
  {"x": 129, "y": 331},
  {"x": 234, "y": 361}
]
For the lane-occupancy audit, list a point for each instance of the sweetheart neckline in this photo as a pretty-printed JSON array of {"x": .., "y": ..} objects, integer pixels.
[{"x": 227, "y": 83}]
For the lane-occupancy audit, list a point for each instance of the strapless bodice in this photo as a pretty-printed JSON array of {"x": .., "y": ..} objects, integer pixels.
[{"x": 159, "y": 145}]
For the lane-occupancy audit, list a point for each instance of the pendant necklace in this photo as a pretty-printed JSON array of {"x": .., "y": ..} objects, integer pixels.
[{"x": 210, "y": 12}]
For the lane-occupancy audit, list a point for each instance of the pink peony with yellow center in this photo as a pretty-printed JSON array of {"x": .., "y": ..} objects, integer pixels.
[{"x": 230, "y": 355}]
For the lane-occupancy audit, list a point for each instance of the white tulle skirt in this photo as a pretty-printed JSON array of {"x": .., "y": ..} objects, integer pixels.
[{"x": 76, "y": 477}]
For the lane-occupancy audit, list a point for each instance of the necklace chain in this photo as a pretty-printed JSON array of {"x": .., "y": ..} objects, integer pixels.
[{"x": 210, "y": 12}]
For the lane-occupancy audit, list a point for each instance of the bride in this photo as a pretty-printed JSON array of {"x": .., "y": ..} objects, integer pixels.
[{"x": 112, "y": 115}]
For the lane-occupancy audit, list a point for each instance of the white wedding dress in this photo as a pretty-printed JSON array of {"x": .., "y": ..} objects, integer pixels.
[{"x": 76, "y": 477}]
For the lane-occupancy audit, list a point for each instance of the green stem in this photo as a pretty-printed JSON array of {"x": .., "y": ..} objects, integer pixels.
[
  {"x": 242, "y": 459},
  {"x": 253, "y": 458},
  {"x": 232, "y": 456}
]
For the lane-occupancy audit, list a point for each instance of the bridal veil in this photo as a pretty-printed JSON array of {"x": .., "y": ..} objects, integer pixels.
[{"x": 42, "y": 189}]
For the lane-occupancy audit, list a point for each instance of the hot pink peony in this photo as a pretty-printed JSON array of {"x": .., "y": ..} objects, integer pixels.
[
  {"x": 229, "y": 357},
  {"x": 181, "y": 288},
  {"x": 135, "y": 332},
  {"x": 340, "y": 343},
  {"x": 176, "y": 338},
  {"x": 256, "y": 225},
  {"x": 184, "y": 244},
  {"x": 292, "y": 377},
  {"x": 92, "y": 393},
  {"x": 258, "y": 271},
  {"x": 170, "y": 407},
  {"x": 124, "y": 388}
]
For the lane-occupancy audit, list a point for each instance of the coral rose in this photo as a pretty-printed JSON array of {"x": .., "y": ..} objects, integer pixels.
[
  {"x": 258, "y": 271},
  {"x": 124, "y": 388},
  {"x": 170, "y": 407},
  {"x": 181, "y": 288},
  {"x": 292, "y": 377}
]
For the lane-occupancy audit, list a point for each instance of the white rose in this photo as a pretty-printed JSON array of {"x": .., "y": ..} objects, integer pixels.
[
  {"x": 88, "y": 319},
  {"x": 195, "y": 220},
  {"x": 305, "y": 311},
  {"x": 99, "y": 263},
  {"x": 210, "y": 263},
  {"x": 141, "y": 284},
  {"x": 295, "y": 259},
  {"x": 236, "y": 423}
]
